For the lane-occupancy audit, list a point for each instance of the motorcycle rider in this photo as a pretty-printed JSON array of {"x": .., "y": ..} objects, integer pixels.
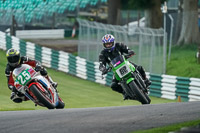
[
  {"x": 112, "y": 50},
  {"x": 15, "y": 60}
]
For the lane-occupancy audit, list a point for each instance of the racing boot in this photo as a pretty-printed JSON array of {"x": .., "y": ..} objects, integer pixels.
[
  {"x": 54, "y": 84},
  {"x": 127, "y": 97},
  {"x": 17, "y": 97}
]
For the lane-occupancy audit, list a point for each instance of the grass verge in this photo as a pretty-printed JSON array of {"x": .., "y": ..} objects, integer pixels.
[
  {"x": 175, "y": 127},
  {"x": 183, "y": 61}
]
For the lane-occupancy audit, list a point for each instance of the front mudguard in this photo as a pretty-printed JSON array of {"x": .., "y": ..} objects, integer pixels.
[
  {"x": 126, "y": 89},
  {"x": 139, "y": 93},
  {"x": 139, "y": 81}
]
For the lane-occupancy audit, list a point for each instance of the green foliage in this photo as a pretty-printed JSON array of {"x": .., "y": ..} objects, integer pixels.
[{"x": 138, "y": 4}]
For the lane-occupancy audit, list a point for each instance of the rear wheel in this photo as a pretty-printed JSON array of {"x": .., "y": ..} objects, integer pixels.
[
  {"x": 46, "y": 101},
  {"x": 139, "y": 93}
]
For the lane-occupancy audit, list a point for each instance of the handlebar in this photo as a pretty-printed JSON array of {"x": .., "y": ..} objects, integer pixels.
[
  {"x": 107, "y": 70},
  {"x": 128, "y": 56}
]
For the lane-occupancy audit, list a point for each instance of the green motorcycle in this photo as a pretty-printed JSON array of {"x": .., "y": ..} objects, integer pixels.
[{"x": 129, "y": 78}]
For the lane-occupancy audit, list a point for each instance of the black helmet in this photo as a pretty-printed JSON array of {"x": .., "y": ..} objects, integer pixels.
[{"x": 13, "y": 57}]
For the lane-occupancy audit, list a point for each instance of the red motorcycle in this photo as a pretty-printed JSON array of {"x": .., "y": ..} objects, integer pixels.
[{"x": 36, "y": 87}]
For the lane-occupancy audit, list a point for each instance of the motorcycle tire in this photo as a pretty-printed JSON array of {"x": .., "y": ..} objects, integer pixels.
[
  {"x": 40, "y": 96},
  {"x": 141, "y": 84},
  {"x": 147, "y": 97},
  {"x": 60, "y": 105},
  {"x": 139, "y": 93}
]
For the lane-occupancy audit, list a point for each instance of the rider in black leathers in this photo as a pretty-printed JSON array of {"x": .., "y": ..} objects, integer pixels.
[{"x": 112, "y": 50}]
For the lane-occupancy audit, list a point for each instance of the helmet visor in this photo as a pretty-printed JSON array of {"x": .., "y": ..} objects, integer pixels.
[
  {"x": 108, "y": 45},
  {"x": 14, "y": 64},
  {"x": 13, "y": 59}
]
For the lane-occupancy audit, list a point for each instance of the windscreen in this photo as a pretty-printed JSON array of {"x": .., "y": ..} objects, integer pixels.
[{"x": 117, "y": 60}]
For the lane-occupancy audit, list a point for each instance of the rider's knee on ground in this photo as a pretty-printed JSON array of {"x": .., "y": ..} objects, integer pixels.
[{"x": 116, "y": 87}]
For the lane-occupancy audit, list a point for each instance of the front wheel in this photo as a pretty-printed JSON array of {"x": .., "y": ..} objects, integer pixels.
[
  {"x": 46, "y": 101},
  {"x": 139, "y": 93},
  {"x": 147, "y": 97},
  {"x": 61, "y": 104}
]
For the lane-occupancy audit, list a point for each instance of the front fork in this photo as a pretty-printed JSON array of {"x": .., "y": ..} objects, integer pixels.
[
  {"x": 127, "y": 89},
  {"x": 139, "y": 81}
]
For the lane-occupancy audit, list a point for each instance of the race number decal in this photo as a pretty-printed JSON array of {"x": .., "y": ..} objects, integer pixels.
[
  {"x": 24, "y": 77},
  {"x": 123, "y": 70}
]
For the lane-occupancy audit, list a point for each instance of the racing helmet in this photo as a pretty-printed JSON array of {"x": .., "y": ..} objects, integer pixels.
[
  {"x": 13, "y": 57},
  {"x": 108, "y": 42}
]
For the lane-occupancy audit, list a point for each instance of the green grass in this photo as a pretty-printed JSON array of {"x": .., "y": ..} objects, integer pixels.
[
  {"x": 183, "y": 61},
  {"x": 75, "y": 92},
  {"x": 79, "y": 93},
  {"x": 174, "y": 127}
]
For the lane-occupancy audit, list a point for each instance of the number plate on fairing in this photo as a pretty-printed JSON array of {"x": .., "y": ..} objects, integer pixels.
[
  {"x": 23, "y": 77},
  {"x": 123, "y": 70}
]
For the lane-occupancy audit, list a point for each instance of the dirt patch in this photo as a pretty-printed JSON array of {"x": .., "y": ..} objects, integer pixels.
[
  {"x": 66, "y": 48},
  {"x": 69, "y": 46}
]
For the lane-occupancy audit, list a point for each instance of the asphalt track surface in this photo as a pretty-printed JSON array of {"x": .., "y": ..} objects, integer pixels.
[{"x": 98, "y": 120}]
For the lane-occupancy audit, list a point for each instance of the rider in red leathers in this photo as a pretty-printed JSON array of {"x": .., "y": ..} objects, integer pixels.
[{"x": 15, "y": 60}]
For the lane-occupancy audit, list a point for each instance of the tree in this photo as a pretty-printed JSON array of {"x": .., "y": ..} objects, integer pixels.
[
  {"x": 189, "y": 29},
  {"x": 153, "y": 14},
  {"x": 113, "y": 8},
  {"x": 179, "y": 21}
]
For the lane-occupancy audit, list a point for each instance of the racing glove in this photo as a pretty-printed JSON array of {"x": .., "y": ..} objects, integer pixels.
[
  {"x": 131, "y": 52},
  {"x": 38, "y": 68},
  {"x": 102, "y": 68}
]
